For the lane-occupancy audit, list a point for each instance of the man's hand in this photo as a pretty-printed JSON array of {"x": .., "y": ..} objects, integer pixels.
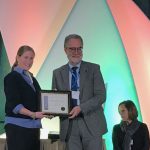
[{"x": 75, "y": 112}]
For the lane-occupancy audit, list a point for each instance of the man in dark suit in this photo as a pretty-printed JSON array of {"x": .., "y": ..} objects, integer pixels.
[{"x": 84, "y": 128}]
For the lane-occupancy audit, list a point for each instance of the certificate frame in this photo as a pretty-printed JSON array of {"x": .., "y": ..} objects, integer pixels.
[{"x": 54, "y": 102}]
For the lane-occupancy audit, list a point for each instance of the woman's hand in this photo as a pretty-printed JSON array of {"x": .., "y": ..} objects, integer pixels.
[{"x": 41, "y": 115}]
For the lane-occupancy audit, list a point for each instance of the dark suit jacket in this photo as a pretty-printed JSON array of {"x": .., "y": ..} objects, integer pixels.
[
  {"x": 18, "y": 91},
  {"x": 140, "y": 138},
  {"x": 92, "y": 96}
]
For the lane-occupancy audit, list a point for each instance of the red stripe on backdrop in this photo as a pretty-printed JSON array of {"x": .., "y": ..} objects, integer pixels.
[{"x": 134, "y": 28}]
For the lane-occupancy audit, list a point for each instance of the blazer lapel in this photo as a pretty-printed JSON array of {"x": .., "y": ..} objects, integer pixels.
[
  {"x": 65, "y": 77},
  {"x": 83, "y": 76}
]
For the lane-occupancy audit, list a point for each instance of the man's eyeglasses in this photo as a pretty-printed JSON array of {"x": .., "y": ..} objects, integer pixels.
[{"x": 75, "y": 49}]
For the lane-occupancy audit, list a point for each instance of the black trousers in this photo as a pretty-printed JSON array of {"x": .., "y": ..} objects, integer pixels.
[{"x": 20, "y": 138}]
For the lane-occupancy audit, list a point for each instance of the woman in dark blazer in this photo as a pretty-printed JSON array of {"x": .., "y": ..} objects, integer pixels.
[
  {"x": 23, "y": 118},
  {"x": 130, "y": 134}
]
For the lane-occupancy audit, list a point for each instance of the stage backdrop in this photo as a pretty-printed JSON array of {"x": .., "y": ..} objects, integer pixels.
[{"x": 115, "y": 37}]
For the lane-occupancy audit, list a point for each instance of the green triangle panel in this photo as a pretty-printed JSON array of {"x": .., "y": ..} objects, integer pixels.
[{"x": 4, "y": 69}]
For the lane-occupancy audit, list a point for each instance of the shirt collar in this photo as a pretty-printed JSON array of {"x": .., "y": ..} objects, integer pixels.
[
  {"x": 19, "y": 70},
  {"x": 78, "y": 65}
]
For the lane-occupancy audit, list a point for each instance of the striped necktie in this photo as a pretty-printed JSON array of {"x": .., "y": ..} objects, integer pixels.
[{"x": 74, "y": 84}]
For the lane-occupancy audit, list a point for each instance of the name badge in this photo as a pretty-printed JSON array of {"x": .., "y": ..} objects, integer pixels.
[{"x": 75, "y": 94}]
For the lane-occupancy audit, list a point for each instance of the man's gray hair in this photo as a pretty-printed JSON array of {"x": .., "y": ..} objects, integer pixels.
[{"x": 72, "y": 36}]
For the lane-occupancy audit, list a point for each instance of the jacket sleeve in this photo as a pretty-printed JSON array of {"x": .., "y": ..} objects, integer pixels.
[
  {"x": 146, "y": 138},
  {"x": 115, "y": 139},
  {"x": 11, "y": 89}
]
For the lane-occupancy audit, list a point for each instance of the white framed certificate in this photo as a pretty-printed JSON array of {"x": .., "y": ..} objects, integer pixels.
[{"x": 55, "y": 102}]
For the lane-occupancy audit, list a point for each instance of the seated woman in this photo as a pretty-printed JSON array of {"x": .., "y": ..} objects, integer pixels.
[{"x": 130, "y": 134}]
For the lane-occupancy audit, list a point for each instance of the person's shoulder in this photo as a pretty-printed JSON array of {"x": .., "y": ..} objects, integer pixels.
[
  {"x": 60, "y": 68},
  {"x": 143, "y": 125},
  {"x": 116, "y": 129},
  {"x": 12, "y": 74},
  {"x": 90, "y": 64},
  {"x": 116, "y": 126}
]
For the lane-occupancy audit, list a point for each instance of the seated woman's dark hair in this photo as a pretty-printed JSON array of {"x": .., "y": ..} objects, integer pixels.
[{"x": 132, "y": 110}]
